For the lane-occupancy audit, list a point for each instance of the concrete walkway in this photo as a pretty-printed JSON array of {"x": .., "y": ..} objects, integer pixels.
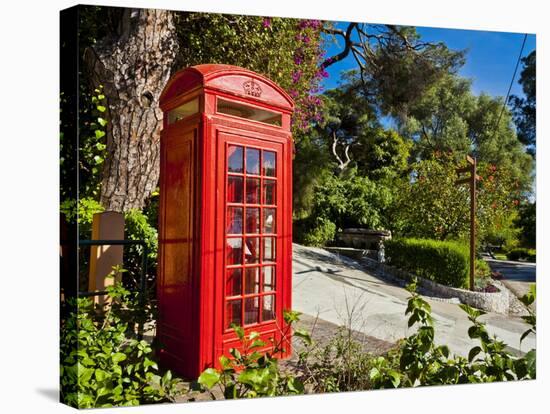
[
  {"x": 338, "y": 290},
  {"x": 517, "y": 276}
]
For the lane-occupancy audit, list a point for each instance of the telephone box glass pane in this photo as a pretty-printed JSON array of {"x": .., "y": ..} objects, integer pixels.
[
  {"x": 252, "y": 280},
  {"x": 251, "y": 310},
  {"x": 234, "y": 220},
  {"x": 269, "y": 192},
  {"x": 234, "y": 189},
  {"x": 269, "y": 249},
  {"x": 234, "y": 249},
  {"x": 252, "y": 250},
  {"x": 233, "y": 313},
  {"x": 269, "y": 164},
  {"x": 269, "y": 278},
  {"x": 269, "y": 220},
  {"x": 269, "y": 308},
  {"x": 235, "y": 159},
  {"x": 252, "y": 220},
  {"x": 183, "y": 111},
  {"x": 249, "y": 112},
  {"x": 234, "y": 282},
  {"x": 252, "y": 161},
  {"x": 253, "y": 190}
]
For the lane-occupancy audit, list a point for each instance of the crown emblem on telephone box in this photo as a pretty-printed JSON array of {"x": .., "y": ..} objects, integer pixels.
[{"x": 252, "y": 88}]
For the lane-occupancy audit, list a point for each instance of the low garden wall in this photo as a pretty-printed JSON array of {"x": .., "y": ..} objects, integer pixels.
[
  {"x": 362, "y": 238},
  {"x": 356, "y": 254},
  {"x": 498, "y": 302}
]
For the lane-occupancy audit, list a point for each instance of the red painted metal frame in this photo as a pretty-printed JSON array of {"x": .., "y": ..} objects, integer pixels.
[{"x": 192, "y": 269}]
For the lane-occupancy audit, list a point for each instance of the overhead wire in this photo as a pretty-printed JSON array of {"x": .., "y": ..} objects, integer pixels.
[{"x": 510, "y": 87}]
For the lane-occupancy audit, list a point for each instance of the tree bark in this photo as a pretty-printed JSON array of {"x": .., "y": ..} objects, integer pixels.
[{"x": 133, "y": 65}]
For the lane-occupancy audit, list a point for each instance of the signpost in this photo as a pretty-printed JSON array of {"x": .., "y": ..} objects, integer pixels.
[{"x": 471, "y": 180}]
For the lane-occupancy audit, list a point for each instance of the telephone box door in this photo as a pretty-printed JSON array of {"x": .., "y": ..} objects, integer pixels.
[{"x": 250, "y": 201}]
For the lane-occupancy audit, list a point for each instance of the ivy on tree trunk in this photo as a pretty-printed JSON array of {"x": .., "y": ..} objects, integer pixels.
[{"x": 133, "y": 64}]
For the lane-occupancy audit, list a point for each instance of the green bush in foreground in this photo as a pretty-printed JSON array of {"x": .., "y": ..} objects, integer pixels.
[
  {"x": 529, "y": 255},
  {"x": 342, "y": 365},
  {"x": 250, "y": 373},
  {"x": 444, "y": 262},
  {"x": 103, "y": 361}
]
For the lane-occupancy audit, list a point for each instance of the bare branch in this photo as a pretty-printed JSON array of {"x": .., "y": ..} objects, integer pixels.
[
  {"x": 347, "y": 47},
  {"x": 341, "y": 164}
]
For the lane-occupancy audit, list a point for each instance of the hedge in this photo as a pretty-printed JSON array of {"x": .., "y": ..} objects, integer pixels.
[
  {"x": 443, "y": 262},
  {"x": 529, "y": 255}
]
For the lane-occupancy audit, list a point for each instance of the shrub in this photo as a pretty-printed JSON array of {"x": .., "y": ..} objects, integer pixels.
[
  {"x": 341, "y": 364},
  {"x": 482, "y": 268},
  {"x": 317, "y": 231},
  {"x": 529, "y": 255},
  {"x": 250, "y": 373},
  {"x": 137, "y": 227},
  {"x": 443, "y": 262},
  {"x": 81, "y": 212},
  {"x": 349, "y": 200},
  {"x": 104, "y": 363}
]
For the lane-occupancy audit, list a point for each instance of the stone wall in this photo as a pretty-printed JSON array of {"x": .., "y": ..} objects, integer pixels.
[
  {"x": 362, "y": 238},
  {"x": 498, "y": 302}
]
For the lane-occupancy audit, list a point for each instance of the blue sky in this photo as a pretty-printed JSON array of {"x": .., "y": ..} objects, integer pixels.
[{"x": 490, "y": 57}]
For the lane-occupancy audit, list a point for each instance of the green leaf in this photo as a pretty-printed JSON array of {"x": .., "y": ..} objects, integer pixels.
[
  {"x": 524, "y": 335},
  {"x": 290, "y": 316},
  {"x": 295, "y": 386},
  {"x": 238, "y": 330},
  {"x": 394, "y": 378},
  {"x": 147, "y": 363},
  {"x": 531, "y": 362},
  {"x": 529, "y": 297},
  {"x": 103, "y": 391},
  {"x": 225, "y": 362},
  {"x": 101, "y": 375},
  {"x": 101, "y": 121},
  {"x": 253, "y": 335},
  {"x": 304, "y": 335},
  {"x": 258, "y": 343},
  {"x": 235, "y": 353},
  {"x": 254, "y": 376},
  {"x": 374, "y": 373},
  {"x": 473, "y": 353},
  {"x": 209, "y": 378},
  {"x": 118, "y": 357},
  {"x": 167, "y": 377},
  {"x": 99, "y": 133},
  {"x": 101, "y": 108}
]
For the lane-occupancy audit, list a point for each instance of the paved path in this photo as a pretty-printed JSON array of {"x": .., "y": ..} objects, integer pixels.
[
  {"x": 517, "y": 276},
  {"x": 338, "y": 290}
]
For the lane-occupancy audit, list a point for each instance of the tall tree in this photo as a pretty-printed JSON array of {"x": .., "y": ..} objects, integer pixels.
[
  {"x": 449, "y": 118},
  {"x": 525, "y": 109},
  {"x": 395, "y": 65},
  {"x": 133, "y": 62}
]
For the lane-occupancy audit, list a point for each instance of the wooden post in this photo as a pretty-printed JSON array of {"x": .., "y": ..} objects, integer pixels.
[
  {"x": 471, "y": 180},
  {"x": 105, "y": 226},
  {"x": 473, "y": 224}
]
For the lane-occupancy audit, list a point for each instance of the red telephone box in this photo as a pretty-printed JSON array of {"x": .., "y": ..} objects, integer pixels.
[{"x": 225, "y": 215}]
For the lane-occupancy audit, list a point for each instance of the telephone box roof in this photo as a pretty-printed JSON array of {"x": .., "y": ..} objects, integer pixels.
[{"x": 227, "y": 79}]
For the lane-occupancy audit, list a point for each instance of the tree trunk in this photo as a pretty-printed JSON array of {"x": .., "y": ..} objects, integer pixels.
[{"x": 133, "y": 65}]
